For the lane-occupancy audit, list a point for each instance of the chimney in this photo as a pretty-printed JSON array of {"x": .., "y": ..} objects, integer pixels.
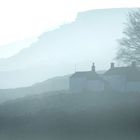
[
  {"x": 112, "y": 66},
  {"x": 93, "y": 67},
  {"x": 133, "y": 64}
]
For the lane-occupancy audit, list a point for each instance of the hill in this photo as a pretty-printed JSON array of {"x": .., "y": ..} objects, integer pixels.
[
  {"x": 76, "y": 116},
  {"x": 56, "y": 52},
  {"x": 58, "y": 83},
  {"x": 53, "y": 84}
]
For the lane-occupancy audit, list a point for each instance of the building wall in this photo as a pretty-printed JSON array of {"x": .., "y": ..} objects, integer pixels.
[
  {"x": 116, "y": 82},
  {"x": 81, "y": 84},
  {"x": 78, "y": 84},
  {"x": 133, "y": 86},
  {"x": 95, "y": 85}
]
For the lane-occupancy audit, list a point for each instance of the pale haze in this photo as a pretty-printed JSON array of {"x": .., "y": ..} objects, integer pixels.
[
  {"x": 45, "y": 39},
  {"x": 27, "y": 19},
  {"x": 59, "y": 79}
]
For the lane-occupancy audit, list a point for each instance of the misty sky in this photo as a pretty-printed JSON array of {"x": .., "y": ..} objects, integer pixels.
[
  {"x": 23, "y": 21},
  {"x": 46, "y": 38}
]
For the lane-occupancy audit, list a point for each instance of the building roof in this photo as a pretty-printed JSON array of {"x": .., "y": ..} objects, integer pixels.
[
  {"x": 131, "y": 73},
  {"x": 90, "y": 75}
]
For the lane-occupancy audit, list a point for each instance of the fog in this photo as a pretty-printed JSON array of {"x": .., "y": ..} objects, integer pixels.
[
  {"x": 78, "y": 116},
  {"x": 52, "y": 90},
  {"x": 91, "y": 37}
]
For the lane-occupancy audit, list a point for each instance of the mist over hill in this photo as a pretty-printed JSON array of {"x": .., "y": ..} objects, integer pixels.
[
  {"x": 56, "y": 52},
  {"x": 76, "y": 116},
  {"x": 51, "y": 86},
  {"x": 33, "y": 108}
]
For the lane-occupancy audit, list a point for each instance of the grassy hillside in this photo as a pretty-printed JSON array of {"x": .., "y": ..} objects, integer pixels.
[{"x": 72, "y": 116}]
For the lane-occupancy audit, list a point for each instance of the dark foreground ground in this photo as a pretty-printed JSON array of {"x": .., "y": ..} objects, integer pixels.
[{"x": 72, "y": 116}]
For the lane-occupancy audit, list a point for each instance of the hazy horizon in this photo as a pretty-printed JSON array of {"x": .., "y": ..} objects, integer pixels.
[
  {"x": 92, "y": 37},
  {"x": 69, "y": 70}
]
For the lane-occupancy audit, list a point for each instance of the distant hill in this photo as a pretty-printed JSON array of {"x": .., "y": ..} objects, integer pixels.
[
  {"x": 72, "y": 116},
  {"x": 53, "y": 84},
  {"x": 92, "y": 36}
]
